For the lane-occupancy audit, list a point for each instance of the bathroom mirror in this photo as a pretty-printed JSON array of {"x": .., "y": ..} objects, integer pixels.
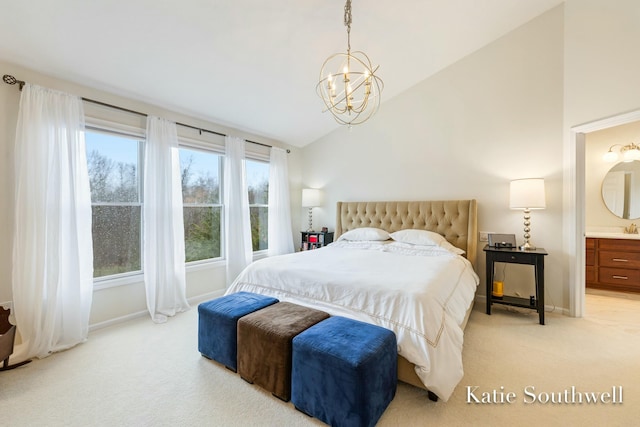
[{"x": 621, "y": 190}]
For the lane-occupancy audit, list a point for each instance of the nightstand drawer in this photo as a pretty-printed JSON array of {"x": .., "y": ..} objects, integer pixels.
[
  {"x": 619, "y": 276},
  {"x": 619, "y": 259},
  {"x": 516, "y": 257}
]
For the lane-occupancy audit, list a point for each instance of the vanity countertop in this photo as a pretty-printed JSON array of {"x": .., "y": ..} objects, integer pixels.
[{"x": 610, "y": 235}]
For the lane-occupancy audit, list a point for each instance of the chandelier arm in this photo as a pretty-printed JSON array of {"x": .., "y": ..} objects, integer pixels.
[
  {"x": 334, "y": 105},
  {"x": 371, "y": 70},
  {"x": 331, "y": 106},
  {"x": 344, "y": 94}
]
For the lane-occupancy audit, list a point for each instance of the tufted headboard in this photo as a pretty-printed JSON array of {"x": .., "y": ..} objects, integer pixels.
[{"x": 456, "y": 220}]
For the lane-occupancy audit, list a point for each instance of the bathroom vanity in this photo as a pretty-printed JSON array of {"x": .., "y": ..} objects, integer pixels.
[{"x": 613, "y": 262}]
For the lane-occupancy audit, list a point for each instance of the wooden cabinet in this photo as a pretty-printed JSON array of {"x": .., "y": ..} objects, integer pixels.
[
  {"x": 613, "y": 264},
  {"x": 590, "y": 274}
]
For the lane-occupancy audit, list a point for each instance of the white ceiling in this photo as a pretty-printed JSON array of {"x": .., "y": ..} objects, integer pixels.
[{"x": 248, "y": 64}]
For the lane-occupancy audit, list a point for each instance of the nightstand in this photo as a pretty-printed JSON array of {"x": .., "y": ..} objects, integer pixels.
[
  {"x": 315, "y": 239},
  {"x": 516, "y": 256}
]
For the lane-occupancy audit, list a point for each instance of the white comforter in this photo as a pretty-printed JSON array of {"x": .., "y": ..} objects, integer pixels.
[{"x": 421, "y": 295}]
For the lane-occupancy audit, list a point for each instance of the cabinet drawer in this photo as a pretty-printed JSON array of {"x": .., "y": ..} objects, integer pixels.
[
  {"x": 619, "y": 276},
  {"x": 619, "y": 259},
  {"x": 619, "y": 245}
]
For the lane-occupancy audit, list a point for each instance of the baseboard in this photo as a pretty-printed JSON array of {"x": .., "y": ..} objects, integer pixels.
[
  {"x": 116, "y": 320},
  {"x": 192, "y": 301},
  {"x": 206, "y": 297}
]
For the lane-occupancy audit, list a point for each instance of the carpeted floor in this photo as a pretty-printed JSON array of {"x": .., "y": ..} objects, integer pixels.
[{"x": 142, "y": 374}]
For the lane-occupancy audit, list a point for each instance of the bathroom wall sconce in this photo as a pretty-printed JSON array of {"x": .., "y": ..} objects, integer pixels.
[{"x": 629, "y": 152}]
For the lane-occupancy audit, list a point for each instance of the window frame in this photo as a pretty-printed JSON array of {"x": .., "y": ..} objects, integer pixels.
[
  {"x": 109, "y": 128},
  {"x": 261, "y": 158},
  {"x": 191, "y": 144},
  {"x": 136, "y": 130}
]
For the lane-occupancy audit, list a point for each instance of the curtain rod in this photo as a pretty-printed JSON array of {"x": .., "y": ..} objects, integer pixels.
[{"x": 10, "y": 80}]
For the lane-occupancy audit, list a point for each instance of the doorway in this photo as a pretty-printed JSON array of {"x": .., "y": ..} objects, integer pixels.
[{"x": 574, "y": 198}]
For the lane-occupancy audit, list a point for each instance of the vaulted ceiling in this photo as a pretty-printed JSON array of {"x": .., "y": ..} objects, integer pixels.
[{"x": 248, "y": 64}]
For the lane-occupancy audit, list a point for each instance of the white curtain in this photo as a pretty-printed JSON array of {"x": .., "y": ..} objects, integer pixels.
[
  {"x": 164, "y": 258},
  {"x": 280, "y": 237},
  {"x": 52, "y": 247},
  {"x": 238, "y": 247}
]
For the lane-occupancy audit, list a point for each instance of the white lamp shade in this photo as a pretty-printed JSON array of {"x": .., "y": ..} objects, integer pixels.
[
  {"x": 527, "y": 194},
  {"x": 311, "y": 197}
]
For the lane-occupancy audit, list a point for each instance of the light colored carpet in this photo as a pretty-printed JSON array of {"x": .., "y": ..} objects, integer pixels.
[{"x": 142, "y": 374}]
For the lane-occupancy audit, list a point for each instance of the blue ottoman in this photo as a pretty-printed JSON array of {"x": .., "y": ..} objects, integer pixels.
[
  {"x": 344, "y": 372},
  {"x": 218, "y": 324}
]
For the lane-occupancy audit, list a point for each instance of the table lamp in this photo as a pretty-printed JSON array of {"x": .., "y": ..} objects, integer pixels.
[
  {"x": 311, "y": 198},
  {"x": 527, "y": 194}
]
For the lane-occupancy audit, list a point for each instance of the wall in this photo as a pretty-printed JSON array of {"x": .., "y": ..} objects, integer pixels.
[
  {"x": 602, "y": 59},
  {"x": 125, "y": 300},
  {"x": 464, "y": 133},
  {"x": 597, "y": 143},
  {"x": 601, "y": 62}
]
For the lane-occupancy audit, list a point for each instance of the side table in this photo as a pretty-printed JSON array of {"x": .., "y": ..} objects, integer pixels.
[{"x": 516, "y": 256}]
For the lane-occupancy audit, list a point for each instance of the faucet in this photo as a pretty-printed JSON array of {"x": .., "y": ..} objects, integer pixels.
[{"x": 632, "y": 229}]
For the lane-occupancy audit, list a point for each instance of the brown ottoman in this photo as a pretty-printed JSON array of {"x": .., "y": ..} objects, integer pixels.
[{"x": 264, "y": 344}]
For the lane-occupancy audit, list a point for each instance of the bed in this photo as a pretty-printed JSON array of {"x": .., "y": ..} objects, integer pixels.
[{"x": 423, "y": 293}]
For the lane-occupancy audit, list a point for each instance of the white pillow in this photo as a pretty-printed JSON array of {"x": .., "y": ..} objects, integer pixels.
[
  {"x": 424, "y": 238},
  {"x": 418, "y": 237},
  {"x": 365, "y": 233}
]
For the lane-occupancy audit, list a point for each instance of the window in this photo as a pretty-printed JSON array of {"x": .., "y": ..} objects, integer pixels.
[
  {"x": 258, "y": 185},
  {"x": 200, "y": 174},
  {"x": 114, "y": 163}
]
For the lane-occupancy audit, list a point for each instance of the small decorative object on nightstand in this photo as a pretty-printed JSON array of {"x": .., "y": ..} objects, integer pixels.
[
  {"x": 533, "y": 257},
  {"x": 315, "y": 239}
]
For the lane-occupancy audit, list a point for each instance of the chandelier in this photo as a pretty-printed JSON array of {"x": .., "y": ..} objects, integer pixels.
[{"x": 348, "y": 84}]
